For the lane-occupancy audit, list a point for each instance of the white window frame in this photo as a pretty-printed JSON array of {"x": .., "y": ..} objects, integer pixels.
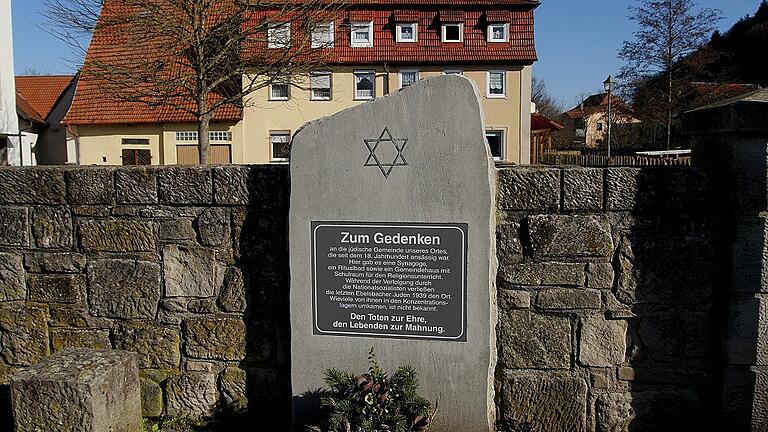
[
  {"x": 399, "y": 32},
  {"x": 213, "y": 136},
  {"x": 272, "y": 135},
  {"x": 444, "y": 32},
  {"x": 331, "y": 35},
  {"x": 503, "y": 143},
  {"x": 358, "y": 24},
  {"x": 503, "y": 84},
  {"x": 314, "y": 74},
  {"x": 411, "y": 70},
  {"x": 373, "y": 90},
  {"x": 280, "y": 81},
  {"x": 274, "y": 31},
  {"x": 453, "y": 72},
  {"x": 506, "y": 32}
]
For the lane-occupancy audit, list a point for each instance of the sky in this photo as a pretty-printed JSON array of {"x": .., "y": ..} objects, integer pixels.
[{"x": 577, "y": 41}]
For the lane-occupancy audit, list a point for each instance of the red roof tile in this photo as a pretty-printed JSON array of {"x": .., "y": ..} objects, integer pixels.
[
  {"x": 42, "y": 92},
  {"x": 27, "y": 111},
  {"x": 539, "y": 122}
]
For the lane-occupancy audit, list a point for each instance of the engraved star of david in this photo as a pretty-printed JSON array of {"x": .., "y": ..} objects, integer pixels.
[{"x": 386, "y": 139}]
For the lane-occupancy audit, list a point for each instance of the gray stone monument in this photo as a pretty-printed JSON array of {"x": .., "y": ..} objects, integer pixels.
[{"x": 392, "y": 231}]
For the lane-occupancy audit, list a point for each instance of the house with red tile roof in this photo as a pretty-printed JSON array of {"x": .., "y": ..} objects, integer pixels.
[
  {"x": 588, "y": 122},
  {"x": 41, "y": 102},
  {"x": 370, "y": 48}
]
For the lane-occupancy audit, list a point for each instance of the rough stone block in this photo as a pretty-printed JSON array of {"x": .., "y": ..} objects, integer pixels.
[
  {"x": 600, "y": 275},
  {"x": 514, "y": 299},
  {"x": 14, "y": 226},
  {"x": 220, "y": 338},
  {"x": 529, "y": 189},
  {"x": 213, "y": 226},
  {"x": 56, "y": 288},
  {"x": 151, "y": 398},
  {"x": 650, "y": 265},
  {"x": 117, "y": 235},
  {"x": 12, "y": 286},
  {"x": 158, "y": 346},
  {"x": 582, "y": 189},
  {"x": 544, "y": 274},
  {"x": 568, "y": 298},
  {"x": 675, "y": 334},
  {"x": 23, "y": 333},
  {"x": 508, "y": 242},
  {"x": 560, "y": 236},
  {"x": 176, "y": 229},
  {"x": 545, "y": 403},
  {"x": 232, "y": 383},
  {"x": 79, "y": 390},
  {"x": 614, "y": 412},
  {"x": 189, "y": 271},
  {"x": 232, "y": 297},
  {"x": 529, "y": 340},
  {"x": 602, "y": 343},
  {"x": 52, "y": 227},
  {"x": 622, "y": 188},
  {"x": 62, "y": 338},
  {"x": 672, "y": 410},
  {"x": 186, "y": 185},
  {"x": 231, "y": 185},
  {"x": 202, "y": 306},
  {"x": 54, "y": 262},
  {"x": 63, "y": 315},
  {"x": 90, "y": 186},
  {"x": 119, "y": 288},
  {"x": 32, "y": 186},
  {"x": 193, "y": 394},
  {"x": 136, "y": 185}
]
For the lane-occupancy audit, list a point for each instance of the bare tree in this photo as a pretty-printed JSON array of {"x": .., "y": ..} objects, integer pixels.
[
  {"x": 669, "y": 32},
  {"x": 545, "y": 103},
  {"x": 196, "y": 56}
]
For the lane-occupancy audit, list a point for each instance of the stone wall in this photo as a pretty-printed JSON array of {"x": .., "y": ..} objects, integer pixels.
[
  {"x": 606, "y": 289},
  {"x": 186, "y": 266}
]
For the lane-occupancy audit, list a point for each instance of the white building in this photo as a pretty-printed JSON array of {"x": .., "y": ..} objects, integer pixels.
[{"x": 15, "y": 146}]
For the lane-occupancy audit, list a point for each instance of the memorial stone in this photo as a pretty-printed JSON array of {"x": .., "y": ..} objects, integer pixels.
[{"x": 392, "y": 231}]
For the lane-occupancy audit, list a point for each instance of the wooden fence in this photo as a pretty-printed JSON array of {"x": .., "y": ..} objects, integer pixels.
[{"x": 603, "y": 161}]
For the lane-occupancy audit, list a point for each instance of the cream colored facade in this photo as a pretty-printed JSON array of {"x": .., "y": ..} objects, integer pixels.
[
  {"x": 251, "y": 138},
  {"x": 596, "y": 126}
]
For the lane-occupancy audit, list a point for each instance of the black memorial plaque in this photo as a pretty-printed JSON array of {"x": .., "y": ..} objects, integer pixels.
[{"x": 397, "y": 280}]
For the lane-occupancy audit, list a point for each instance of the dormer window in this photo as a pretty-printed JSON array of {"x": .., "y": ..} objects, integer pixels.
[
  {"x": 361, "y": 33},
  {"x": 279, "y": 36},
  {"x": 322, "y": 35},
  {"x": 498, "y": 32},
  {"x": 453, "y": 32},
  {"x": 407, "y": 32}
]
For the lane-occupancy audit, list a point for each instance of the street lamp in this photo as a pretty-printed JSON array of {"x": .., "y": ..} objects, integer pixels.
[{"x": 608, "y": 84}]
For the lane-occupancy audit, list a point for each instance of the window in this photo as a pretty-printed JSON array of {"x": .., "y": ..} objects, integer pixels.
[
  {"x": 453, "y": 72},
  {"x": 279, "y": 36},
  {"x": 408, "y": 77},
  {"x": 365, "y": 87},
  {"x": 407, "y": 32},
  {"x": 191, "y": 136},
  {"x": 3, "y": 151},
  {"x": 599, "y": 127},
  {"x": 320, "y": 83},
  {"x": 280, "y": 141},
  {"x": 322, "y": 35},
  {"x": 137, "y": 157},
  {"x": 279, "y": 89},
  {"x": 453, "y": 32},
  {"x": 498, "y": 32},
  {"x": 497, "y": 84},
  {"x": 496, "y": 143},
  {"x": 361, "y": 34}
]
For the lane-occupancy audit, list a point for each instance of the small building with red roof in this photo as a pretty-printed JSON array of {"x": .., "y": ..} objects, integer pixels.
[
  {"x": 371, "y": 48},
  {"x": 588, "y": 122}
]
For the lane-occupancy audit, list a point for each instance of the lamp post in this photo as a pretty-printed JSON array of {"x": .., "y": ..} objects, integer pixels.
[{"x": 608, "y": 85}]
